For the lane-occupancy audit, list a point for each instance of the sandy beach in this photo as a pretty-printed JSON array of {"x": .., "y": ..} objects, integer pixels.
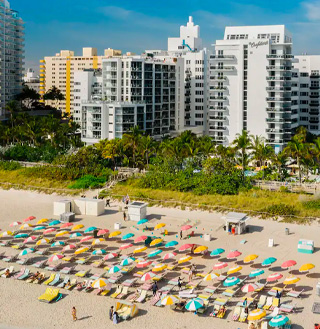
[{"x": 19, "y": 307}]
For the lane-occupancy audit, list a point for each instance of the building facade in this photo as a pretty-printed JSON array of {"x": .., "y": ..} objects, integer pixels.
[
  {"x": 31, "y": 79},
  {"x": 11, "y": 54},
  {"x": 250, "y": 78}
]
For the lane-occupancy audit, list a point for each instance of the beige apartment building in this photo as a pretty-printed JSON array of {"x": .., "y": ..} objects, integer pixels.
[{"x": 59, "y": 71}]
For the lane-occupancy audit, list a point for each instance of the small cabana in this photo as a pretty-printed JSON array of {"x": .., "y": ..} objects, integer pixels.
[{"x": 236, "y": 222}]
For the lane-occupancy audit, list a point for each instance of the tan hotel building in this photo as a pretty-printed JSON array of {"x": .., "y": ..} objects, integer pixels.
[{"x": 59, "y": 71}]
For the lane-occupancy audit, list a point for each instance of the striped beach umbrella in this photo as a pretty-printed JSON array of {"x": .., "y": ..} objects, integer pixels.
[
  {"x": 5, "y": 234},
  {"x": 211, "y": 276},
  {"x": 306, "y": 268},
  {"x": 256, "y": 273},
  {"x": 77, "y": 227},
  {"x": 62, "y": 233},
  {"x": 55, "y": 258},
  {"x": 30, "y": 239},
  {"x": 126, "y": 246},
  {"x": 21, "y": 235},
  {"x": 186, "y": 247},
  {"x": 186, "y": 227},
  {"x": 97, "y": 241},
  {"x": 66, "y": 225},
  {"x": 147, "y": 276},
  {"x": 278, "y": 321},
  {"x": 15, "y": 224},
  {"x": 99, "y": 283},
  {"x": 200, "y": 249},
  {"x": 233, "y": 254},
  {"x": 144, "y": 264},
  {"x": 139, "y": 250},
  {"x": 99, "y": 252},
  {"x": 114, "y": 234},
  {"x": 274, "y": 277},
  {"x": 39, "y": 228},
  {"x": 169, "y": 255},
  {"x": 54, "y": 222},
  {"x": 250, "y": 258},
  {"x": 288, "y": 264},
  {"x": 86, "y": 238},
  {"x": 154, "y": 253},
  {"x": 170, "y": 300},
  {"x": 159, "y": 267},
  {"x": 269, "y": 261},
  {"x": 155, "y": 242},
  {"x": 69, "y": 247},
  {"x": 111, "y": 255},
  {"x": 159, "y": 226},
  {"x": 257, "y": 314},
  {"x": 41, "y": 221},
  {"x": 231, "y": 281},
  {"x": 26, "y": 251},
  {"x": 220, "y": 266},
  {"x": 90, "y": 229},
  {"x": 81, "y": 250},
  {"x": 115, "y": 269},
  {"x": 140, "y": 239},
  {"x": 217, "y": 252},
  {"x": 194, "y": 304},
  {"x": 29, "y": 218},
  {"x": 184, "y": 259},
  {"x": 142, "y": 221},
  {"x": 75, "y": 235},
  {"x": 102, "y": 232},
  {"x": 25, "y": 226},
  {"x": 171, "y": 244},
  {"x": 127, "y": 236},
  {"x": 250, "y": 287},
  {"x": 291, "y": 280},
  {"x": 42, "y": 241},
  {"x": 49, "y": 230},
  {"x": 127, "y": 261},
  {"x": 58, "y": 243},
  {"x": 234, "y": 269}
]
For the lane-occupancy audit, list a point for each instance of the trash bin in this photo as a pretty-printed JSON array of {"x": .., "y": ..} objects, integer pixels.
[
  {"x": 287, "y": 231},
  {"x": 318, "y": 289},
  {"x": 117, "y": 226}
]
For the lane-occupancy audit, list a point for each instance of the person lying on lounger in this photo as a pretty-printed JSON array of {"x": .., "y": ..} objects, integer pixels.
[
  {"x": 222, "y": 311},
  {"x": 35, "y": 275},
  {"x": 7, "y": 273},
  {"x": 68, "y": 285},
  {"x": 40, "y": 277}
]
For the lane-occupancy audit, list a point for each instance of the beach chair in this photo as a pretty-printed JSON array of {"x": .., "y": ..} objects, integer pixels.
[
  {"x": 23, "y": 261},
  {"x": 159, "y": 277},
  {"x": 55, "y": 280},
  {"x": 274, "y": 313},
  {"x": 166, "y": 289},
  {"x": 264, "y": 325},
  {"x": 295, "y": 294},
  {"x": 261, "y": 286},
  {"x": 287, "y": 308},
  {"x": 51, "y": 278},
  {"x": 42, "y": 251},
  {"x": 69, "y": 259},
  {"x": 124, "y": 293},
  {"x": 40, "y": 278},
  {"x": 275, "y": 303},
  {"x": 117, "y": 292},
  {"x": 142, "y": 297},
  {"x": 25, "y": 275},
  {"x": 95, "y": 276},
  {"x": 67, "y": 270},
  {"x": 273, "y": 291},
  {"x": 10, "y": 259},
  {"x": 185, "y": 270},
  {"x": 236, "y": 313},
  {"x": 210, "y": 289},
  {"x": 154, "y": 300},
  {"x": 5, "y": 243},
  {"x": 64, "y": 282},
  {"x": 20, "y": 273},
  {"x": 172, "y": 266},
  {"x": 193, "y": 284},
  {"x": 139, "y": 274},
  {"x": 105, "y": 291},
  {"x": 115, "y": 278},
  {"x": 146, "y": 286},
  {"x": 221, "y": 313},
  {"x": 173, "y": 282},
  {"x": 229, "y": 292},
  {"x": 220, "y": 301},
  {"x": 132, "y": 298},
  {"x": 262, "y": 301},
  {"x": 205, "y": 296},
  {"x": 204, "y": 308},
  {"x": 72, "y": 284},
  {"x": 98, "y": 263},
  {"x": 54, "y": 267},
  {"x": 83, "y": 261},
  {"x": 50, "y": 295},
  {"x": 3, "y": 271},
  {"x": 129, "y": 282},
  {"x": 40, "y": 264},
  {"x": 268, "y": 303},
  {"x": 82, "y": 274},
  {"x": 88, "y": 288},
  {"x": 127, "y": 269},
  {"x": 243, "y": 315}
]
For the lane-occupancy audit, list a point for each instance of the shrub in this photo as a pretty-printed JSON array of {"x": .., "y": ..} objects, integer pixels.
[
  {"x": 10, "y": 165},
  {"x": 88, "y": 181},
  {"x": 280, "y": 210},
  {"x": 312, "y": 204}
]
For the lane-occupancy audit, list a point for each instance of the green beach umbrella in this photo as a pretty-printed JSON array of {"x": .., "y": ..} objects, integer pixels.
[
  {"x": 231, "y": 281},
  {"x": 90, "y": 229},
  {"x": 256, "y": 273},
  {"x": 278, "y": 321},
  {"x": 38, "y": 228},
  {"x": 217, "y": 252},
  {"x": 127, "y": 236},
  {"x": 155, "y": 253},
  {"x": 194, "y": 304},
  {"x": 54, "y": 222},
  {"x": 269, "y": 261},
  {"x": 171, "y": 244},
  {"x": 142, "y": 221}
]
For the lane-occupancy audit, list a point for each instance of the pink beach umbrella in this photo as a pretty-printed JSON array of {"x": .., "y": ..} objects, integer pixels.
[
  {"x": 69, "y": 247},
  {"x": 66, "y": 225},
  {"x": 30, "y": 239},
  {"x": 49, "y": 230},
  {"x": 148, "y": 276},
  {"x": 169, "y": 255},
  {"x": 233, "y": 254},
  {"x": 288, "y": 264},
  {"x": 144, "y": 264},
  {"x": 220, "y": 266},
  {"x": 250, "y": 287},
  {"x": 54, "y": 258},
  {"x": 186, "y": 247},
  {"x": 186, "y": 227},
  {"x": 126, "y": 246},
  {"x": 110, "y": 256},
  {"x": 102, "y": 232},
  {"x": 140, "y": 239},
  {"x": 87, "y": 238},
  {"x": 15, "y": 224},
  {"x": 274, "y": 277},
  {"x": 29, "y": 218}
]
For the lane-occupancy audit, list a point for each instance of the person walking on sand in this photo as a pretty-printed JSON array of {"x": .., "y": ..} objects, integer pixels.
[
  {"x": 108, "y": 203},
  {"x": 124, "y": 216},
  {"x": 111, "y": 313},
  {"x": 180, "y": 235},
  {"x": 115, "y": 318},
  {"x": 154, "y": 288},
  {"x": 179, "y": 283},
  {"x": 74, "y": 313}
]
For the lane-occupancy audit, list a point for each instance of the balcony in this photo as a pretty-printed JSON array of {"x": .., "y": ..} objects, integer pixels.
[
  {"x": 218, "y": 98},
  {"x": 278, "y": 99},
  {"x": 275, "y": 131},
  {"x": 223, "y": 57},
  {"x": 284, "y": 56},
  {"x": 278, "y": 78},
  {"x": 222, "y": 68},
  {"x": 217, "y": 78},
  {"x": 279, "y": 68},
  {"x": 277, "y": 110},
  {"x": 278, "y": 89},
  {"x": 217, "y": 128},
  {"x": 218, "y": 108},
  {"x": 218, "y": 118},
  {"x": 218, "y": 88},
  {"x": 219, "y": 138},
  {"x": 275, "y": 141}
]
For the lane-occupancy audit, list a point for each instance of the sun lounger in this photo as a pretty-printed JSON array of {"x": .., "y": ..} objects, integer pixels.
[
  {"x": 221, "y": 278},
  {"x": 95, "y": 276},
  {"x": 3, "y": 271},
  {"x": 155, "y": 298},
  {"x": 55, "y": 281},
  {"x": 88, "y": 288},
  {"x": 219, "y": 311},
  {"x": 106, "y": 290},
  {"x": 98, "y": 263},
  {"x": 72, "y": 284},
  {"x": 192, "y": 284},
  {"x": 23, "y": 261},
  {"x": 204, "y": 308},
  {"x": 117, "y": 292},
  {"x": 5, "y": 243},
  {"x": 268, "y": 303},
  {"x": 146, "y": 286},
  {"x": 262, "y": 301},
  {"x": 67, "y": 270},
  {"x": 124, "y": 293},
  {"x": 287, "y": 308},
  {"x": 132, "y": 298},
  {"x": 83, "y": 261},
  {"x": 51, "y": 278},
  {"x": 172, "y": 266},
  {"x": 127, "y": 269},
  {"x": 54, "y": 267},
  {"x": 236, "y": 313},
  {"x": 261, "y": 286},
  {"x": 295, "y": 294},
  {"x": 275, "y": 303},
  {"x": 139, "y": 274},
  {"x": 10, "y": 259},
  {"x": 249, "y": 301},
  {"x": 274, "y": 313},
  {"x": 205, "y": 296},
  {"x": 129, "y": 282},
  {"x": 142, "y": 296},
  {"x": 243, "y": 315},
  {"x": 220, "y": 301},
  {"x": 64, "y": 282},
  {"x": 166, "y": 289},
  {"x": 210, "y": 289},
  {"x": 189, "y": 293},
  {"x": 42, "y": 251},
  {"x": 159, "y": 277},
  {"x": 20, "y": 273},
  {"x": 264, "y": 325},
  {"x": 173, "y": 282},
  {"x": 185, "y": 270},
  {"x": 19, "y": 246},
  {"x": 82, "y": 274},
  {"x": 115, "y": 278},
  {"x": 25, "y": 275},
  {"x": 40, "y": 264},
  {"x": 50, "y": 295},
  {"x": 69, "y": 259},
  {"x": 273, "y": 291},
  {"x": 229, "y": 292}
]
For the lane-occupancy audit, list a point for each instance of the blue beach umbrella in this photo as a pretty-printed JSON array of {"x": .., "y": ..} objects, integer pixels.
[
  {"x": 278, "y": 321},
  {"x": 171, "y": 244},
  {"x": 115, "y": 269},
  {"x": 127, "y": 261},
  {"x": 217, "y": 252},
  {"x": 38, "y": 228},
  {"x": 75, "y": 235},
  {"x": 26, "y": 251},
  {"x": 231, "y": 281},
  {"x": 269, "y": 261},
  {"x": 90, "y": 229},
  {"x": 58, "y": 243},
  {"x": 256, "y": 273},
  {"x": 127, "y": 236},
  {"x": 142, "y": 221},
  {"x": 194, "y": 304},
  {"x": 99, "y": 252},
  {"x": 21, "y": 235},
  {"x": 154, "y": 253},
  {"x": 54, "y": 222}
]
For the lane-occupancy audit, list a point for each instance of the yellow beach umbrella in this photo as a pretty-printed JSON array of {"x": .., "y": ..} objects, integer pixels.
[
  {"x": 25, "y": 226},
  {"x": 97, "y": 241},
  {"x": 200, "y": 249},
  {"x": 155, "y": 242},
  {"x": 184, "y": 259},
  {"x": 234, "y": 270},
  {"x": 159, "y": 268},
  {"x": 306, "y": 268},
  {"x": 77, "y": 227},
  {"x": 159, "y": 226},
  {"x": 6, "y": 233},
  {"x": 257, "y": 314},
  {"x": 41, "y": 221},
  {"x": 42, "y": 241},
  {"x": 139, "y": 249},
  {"x": 250, "y": 258},
  {"x": 99, "y": 283},
  {"x": 115, "y": 233},
  {"x": 81, "y": 250},
  {"x": 211, "y": 276},
  {"x": 291, "y": 280},
  {"x": 169, "y": 300},
  {"x": 62, "y": 233}
]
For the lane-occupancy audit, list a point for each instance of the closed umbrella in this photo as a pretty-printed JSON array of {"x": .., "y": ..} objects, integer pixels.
[
  {"x": 114, "y": 234},
  {"x": 234, "y": 270},
  {"x": 256, "y": 273},
  {"x": 127, "y": 236},
  {"x": 194, "y": 304},
  {"x": 169, "y": 255},
  {"x": 256, "y": 315},
  {"x": 171, "y": 244},
  {"x": 126, "y": 246},
  {"x": 200, "y": 249},
  {"x": 288, "y": 264},
  {"x": 250, "y": 258},
  {"x": 159, "y": 226},
  {"x": 186, "y": 227},
  {"x": 155, "y": 242},
  {"x": 231, "y": 281},
  {"x": 39, "y": 228},
  {"x": 278, "y": 321},
  {"x": 169, "y": 300},
  {"x": 306, "y": 268},
  {"x": 274, "y": 277},
  {"x": 217, "y": 252},
  {"x": 155, "y": 253},
  {"x": 21, "y": 235},
  {"x": 139, "y": 250},
  {"x": 184, "y": 259},
  {"x": 233, "y": 254},
  {"x": 102, "y": 232},
  {"x": 140, "y": 239},
  {"x": 77, "y": 227},
  {"x": 211, "y": 276},
  {"x": 127, "y": 261},
  {"x": 269, "y": 261}
]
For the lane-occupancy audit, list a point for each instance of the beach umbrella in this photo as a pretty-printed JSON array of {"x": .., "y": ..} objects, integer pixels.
[
  {"x": 42, "y": 241},
  {"x": 99, "y": 283},
  {"x": 86, "y": 238},
  {"x": 75, "y": 235},
  {"x": 155, "y": 253},
  {"x": 25, "y": 226},
  {"x": 58, "y": 243},
  {"x": 81, "y": 250},
  {"x": 140, "y": 249},
  {"x": 142, "y": 221},
  {"x": 169, "y": 255},
  {"x": 306, "y": 268},
  {"x": 234, "y": 269},
  {"x": 115, "y": 269},
  {"x": 186, "y": 227},
  {"x": 159, "y": 268},
  {"x": 278, "y": 321},
  {"x": 26, "y": 251},
  {"x": 144, "y": 264},
  {"x": 111, "y": 255},
  {"x": 169, "y": 300},
  {"x": 186, "y": 247},
  {"x": 194, "y": 304},
  {"x": 250, "y": 287},
  {"x": 269, "y": 261},
  {"x": 250, "y": 258},
  {"x": 5, "y": 233},
  {"x": 21, "y": 235},
  {"x": 99, "y": 252},
  {"x": 126, "y": 246},
  {"x": 217, "y": 252},
  {"x": 140, "y": 239},
  {"x": 114, "y": 234},
  {"x": 66, "y": 225},
  {"x": 69, "y": 247},
  {"x": 288, "y": 264},
  {"x": 43, "y": 220},
  {"x": 102, "y": 232},
  {"x": 29, "y": 218},
  {"x": 30, "y": 239},
  {"x": 257, "y": 314},
  {"x": 54, "y": 258},
  {"x": 97, "y": 241},
  {"x": 256, "y": 273},
  {"x": 90, "y": 229},
  {"x": 15, "y": 224},
  {"x": 155, "y": 242},
  {"x": 184, "y": 259},
  {"x": 211, "y": 276},
  {"x": 54, "y": 222},
  {"x": 77, "y": 227},
  {"x": 171, "y": 244},
  {"x": 200, "y": 249},
  {"x": 274, "y": 277},
  {"x": 219, "y": 266},
  {"x": 291, "y": 280},
  {"x": 233, "y": 254},
  {"x": 62, "y": 233},
  {"x": 127, "y": 261},
  {"x": 147, "y": 276},
  {"x": 127, "y": 236},
  {"x": 159, "y": 226},
  {"x": 49, "y": 230},
  {"x": 231, "y": 281},
  {"x": 39, "y": 228}
]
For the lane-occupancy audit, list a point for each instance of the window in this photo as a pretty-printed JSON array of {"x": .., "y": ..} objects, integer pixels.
[{"x": 304, "y": 74}]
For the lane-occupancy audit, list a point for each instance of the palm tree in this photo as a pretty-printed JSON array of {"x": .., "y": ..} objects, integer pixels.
[
  {"x": 111, "y": 150},
  {"x": 13, "y": 109},
  {"x": 316, "y": 150},
  {"x": 132, "y": 140},
  {"x": 280, "y": 160},
  {"x": 147, "y": 145},
  {"x": 242, "y": 145}
]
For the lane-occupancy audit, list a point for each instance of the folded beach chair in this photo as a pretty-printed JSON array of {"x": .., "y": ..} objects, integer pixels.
[
  {"x": 236, "y": 313},
  {"x": 262, "y": 301},
  {"x": 117, "y": 292},
  {"x": 82, "y": 274},
  {"x": 142, "y": 297},
  {"x": 20, "y": 273},
  {"x": 287, "y": 308},
  {"x": 295, "y": 294},
  {"x": 64, "y": 282},
  {"x": 124, "y": 293},
  {"x": 67, "y": 270},
  {"x": 268, "y": 303},
  {"x": 50, "y": 295},
  {"x": 55, "y": 281},
  {"x": 40, "y": 264},
  {"x": 25, "y": 275},
  {"x": 73, "y": 283},
  {"x": 51, "y": 278},
  {"x": 155, "y": 298},
  {"x": 243, "y": 315},
  {"x": 129, "y": 282}
]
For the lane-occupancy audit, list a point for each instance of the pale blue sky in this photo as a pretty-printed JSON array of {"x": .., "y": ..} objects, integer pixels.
[{"x": 136, "y": 25}]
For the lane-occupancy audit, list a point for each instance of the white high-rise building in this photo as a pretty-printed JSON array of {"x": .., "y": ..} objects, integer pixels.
[{"x": 250, "y": 85}]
